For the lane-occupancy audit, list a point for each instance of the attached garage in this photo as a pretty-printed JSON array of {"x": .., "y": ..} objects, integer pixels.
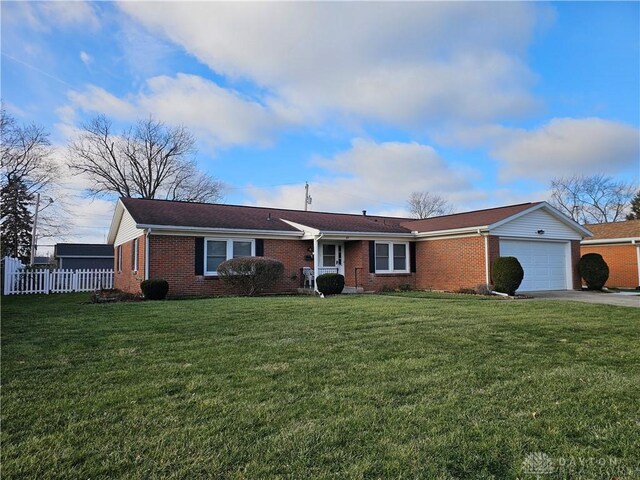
[
  {"x": 545, "y": 242},
  {"x": 546, "y": 265}
]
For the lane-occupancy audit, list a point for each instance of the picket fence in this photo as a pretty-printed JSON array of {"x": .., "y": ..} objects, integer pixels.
[{"x": 20, "y": 280}]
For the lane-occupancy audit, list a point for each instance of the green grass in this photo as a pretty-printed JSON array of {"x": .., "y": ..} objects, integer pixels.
[{"x": 409, "y": 386}]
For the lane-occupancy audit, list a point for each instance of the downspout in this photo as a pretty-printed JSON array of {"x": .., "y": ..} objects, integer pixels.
[
  {"x": 634, "y": 242},
  {"x": 486, "y": 256},
  {"x": 146, "y": 254},
  {"x": 316, "y": 238}
]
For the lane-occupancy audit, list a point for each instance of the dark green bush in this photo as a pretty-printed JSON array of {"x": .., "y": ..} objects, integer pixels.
[
  {"x": 155, "y": 289},
  {"x": 330, "y": 283},
  {"x": 251, "y": 275},
  {"x": 507, "y": 274},
  {"x": 594, "y": 270}
]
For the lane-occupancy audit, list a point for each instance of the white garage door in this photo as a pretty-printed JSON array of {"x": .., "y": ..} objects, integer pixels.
[{"x": 544, "y": 263}]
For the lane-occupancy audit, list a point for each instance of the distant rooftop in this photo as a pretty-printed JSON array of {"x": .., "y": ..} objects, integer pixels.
[{"x": 83, "y": 250}]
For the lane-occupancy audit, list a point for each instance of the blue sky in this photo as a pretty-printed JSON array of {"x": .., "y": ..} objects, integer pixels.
[{"x": 482, "y": 103}]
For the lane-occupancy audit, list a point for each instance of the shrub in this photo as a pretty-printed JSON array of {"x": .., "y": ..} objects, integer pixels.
[
  {"x": 330, "y": 283},
  {"x": 251, "y": 275},
  {"x": 155, "y": 289},
  {"x": 507, "y": 274},
  {"x": 594, "y": 270},
  {"x": 405, "y": 287}
]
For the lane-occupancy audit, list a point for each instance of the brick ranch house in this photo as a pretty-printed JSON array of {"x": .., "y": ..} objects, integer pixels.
[
  {"x": 184, "y": 242},
  {"x": 619, "y": 245}
]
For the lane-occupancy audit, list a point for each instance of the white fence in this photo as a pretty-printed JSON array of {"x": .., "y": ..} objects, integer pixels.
[{"x": 20, "y": 280}]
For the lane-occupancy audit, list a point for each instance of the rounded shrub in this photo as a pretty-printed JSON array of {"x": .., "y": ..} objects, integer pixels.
[
  {"x": 507, "y": 274},
  {"x": 330, "y": 283},
  {"x": 594, "y": 270},
  {"x": 155, "y": 289},
  {"x": 251, "y": 275}
]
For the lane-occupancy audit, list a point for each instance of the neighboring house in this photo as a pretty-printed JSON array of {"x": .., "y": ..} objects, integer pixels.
[
  {"x": 41, "y": 262},
  {"x": 73, "y": 256},
  {"x": 619, "y": 245},
  {"x": 185, "y": 242}
]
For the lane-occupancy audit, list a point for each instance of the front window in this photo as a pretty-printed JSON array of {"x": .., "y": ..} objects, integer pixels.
[
  {"x": 218, "y": 250},
  {"x": 242, "y": 249},
  {"x": 392, "y": 257},
  {"x": 328, "y": 255}
]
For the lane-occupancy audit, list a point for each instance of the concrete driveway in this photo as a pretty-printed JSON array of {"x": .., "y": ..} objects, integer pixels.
[{"x": 621, "y": 300}]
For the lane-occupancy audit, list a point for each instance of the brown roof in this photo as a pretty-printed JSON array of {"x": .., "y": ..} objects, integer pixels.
[
  {"x": 208, "y": 215},
  {"x": 628, "y": 229},
  {"x": 477, "y": 218}
]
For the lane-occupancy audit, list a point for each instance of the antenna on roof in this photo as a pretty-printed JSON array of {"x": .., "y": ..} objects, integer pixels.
[{"x": 307, "y": 197}]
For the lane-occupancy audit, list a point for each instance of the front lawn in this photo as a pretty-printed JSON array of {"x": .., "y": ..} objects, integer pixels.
[{"x": 413, "y": 386}]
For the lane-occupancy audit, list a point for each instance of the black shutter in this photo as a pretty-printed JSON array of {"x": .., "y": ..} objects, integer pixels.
[
  {"x": 259, "y": 247},
  {"x": 412, "y": 256},
  {"x": 199, "y": 255},
  {"x": 372, "y": 256}
]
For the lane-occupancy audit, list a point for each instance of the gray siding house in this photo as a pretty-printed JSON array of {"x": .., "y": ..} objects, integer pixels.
[{"x": 73, "y": 256}]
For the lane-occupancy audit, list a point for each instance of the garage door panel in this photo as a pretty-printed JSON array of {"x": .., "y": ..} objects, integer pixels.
[{"x": 544, "y": 263}]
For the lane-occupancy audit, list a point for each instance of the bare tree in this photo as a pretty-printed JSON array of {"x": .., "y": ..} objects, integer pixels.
[
  {"x": 425, "y": 205},
  {"x": 26, "y": 160},
  {"x": 148, "y": 160},
  {"x": 592, "y": 199},
  {"x": 26, "y": 154}
]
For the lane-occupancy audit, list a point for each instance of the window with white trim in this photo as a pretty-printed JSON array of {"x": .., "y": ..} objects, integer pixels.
[
  {"x": 134, "y": 256},
  {"x": 392, "y": 257},
  {"x": 218, "y": 250},
  {"x": 119, "y": 258}
]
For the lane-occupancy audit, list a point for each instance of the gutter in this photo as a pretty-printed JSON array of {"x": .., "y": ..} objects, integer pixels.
[
  {"x": 177, "y": 228},
  {"x": 445, "y": 233},
  {"x": 631, "y": 240}
]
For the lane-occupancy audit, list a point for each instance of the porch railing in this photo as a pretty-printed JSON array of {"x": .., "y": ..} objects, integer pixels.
[{"x": 323, "y": 270}]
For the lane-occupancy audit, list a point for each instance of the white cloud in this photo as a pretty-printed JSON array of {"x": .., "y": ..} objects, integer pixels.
[
  {"x": 96, "y": 99},
  {"x": 220, "y": 116},
  {"x": 45, "y": 16},
  {"x": 565, "y": 146},
  {"x": 86, "y": 58},
  {"x": 408, "y": 63},
  {"x": 377, "y": 177}
]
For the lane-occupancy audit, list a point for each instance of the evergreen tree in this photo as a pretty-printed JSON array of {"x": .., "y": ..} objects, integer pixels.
[
  {"x": 17, "y": 220},
  {"x": 635, "y": 208}
]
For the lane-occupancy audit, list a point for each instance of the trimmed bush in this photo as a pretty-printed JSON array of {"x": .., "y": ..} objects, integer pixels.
[
  {"x": 507, "y": 274},
  {"x": 330, "y": 283},
  {"x": 155, "y": 289},
  {"x": 594, "y": 270},
  {"x": 251, "y": 275}
]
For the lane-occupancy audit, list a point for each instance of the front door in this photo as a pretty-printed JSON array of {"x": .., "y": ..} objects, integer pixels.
[{"x": 331, "y": 258}]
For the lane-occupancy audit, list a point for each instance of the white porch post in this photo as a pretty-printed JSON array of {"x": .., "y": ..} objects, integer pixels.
[{"x": 316, "y": 252}]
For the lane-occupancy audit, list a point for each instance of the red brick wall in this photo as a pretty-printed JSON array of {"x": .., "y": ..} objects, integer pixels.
[
  {"x": 451, "y": 264},
  {"x": 127, "y": 280},
  {"x": 622, "y": 262},
  {"x": 356, "y": 256},
  {"x": 575, "y": 258},
  {"x": 173, "y": 259}
]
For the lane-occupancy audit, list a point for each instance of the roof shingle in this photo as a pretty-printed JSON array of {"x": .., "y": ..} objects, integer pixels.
[
  {"x": 477, "y": 218},
  {"x": 212, "y": 216},
  {"x": 626, "y": 229}
]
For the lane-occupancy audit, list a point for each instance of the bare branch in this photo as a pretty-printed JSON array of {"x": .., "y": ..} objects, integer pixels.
[
  {"x": 425, "y": 205},
  {"x": 591, "y": 199},
  {"x": 149, "y": 160}
]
